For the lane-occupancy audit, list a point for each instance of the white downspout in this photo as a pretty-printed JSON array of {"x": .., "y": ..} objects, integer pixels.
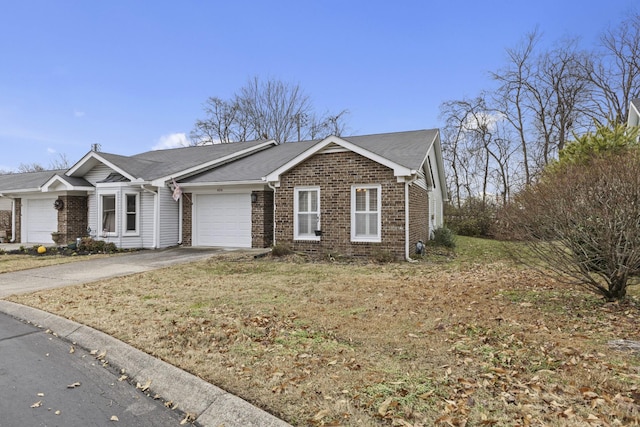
[
  {"x": 155, "y": 214},
  {"x": 406, "y": 222},
  {"x": 274, "y": 213},
  {"x": 180, "y": 207}
]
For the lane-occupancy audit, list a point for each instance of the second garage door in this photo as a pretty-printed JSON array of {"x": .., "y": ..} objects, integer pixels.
[
  {"x": 222, "y": 220},
  {"x": 40, "y": 220}
]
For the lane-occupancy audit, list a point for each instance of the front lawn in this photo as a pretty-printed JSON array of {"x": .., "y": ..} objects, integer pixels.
[{"x": 471, "y": 339}]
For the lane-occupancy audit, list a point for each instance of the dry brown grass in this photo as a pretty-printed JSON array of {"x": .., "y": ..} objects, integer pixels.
[
  {"x": 474, "y": 340},
  {"x": 10, "y": 262}
]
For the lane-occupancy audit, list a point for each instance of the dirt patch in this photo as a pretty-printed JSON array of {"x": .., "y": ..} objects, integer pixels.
[{"x": 444, "y": 341}]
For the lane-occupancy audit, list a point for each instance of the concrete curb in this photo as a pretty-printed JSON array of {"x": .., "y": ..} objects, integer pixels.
[{"x": 210, "y": 405}]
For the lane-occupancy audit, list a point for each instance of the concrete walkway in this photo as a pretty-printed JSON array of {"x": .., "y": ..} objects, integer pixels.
[{"x": 210, "y": 405}]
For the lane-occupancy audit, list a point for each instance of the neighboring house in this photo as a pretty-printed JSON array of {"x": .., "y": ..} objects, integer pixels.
[
  {"x": 634, "y": 113},
  {"x": 354, "y": 196}
]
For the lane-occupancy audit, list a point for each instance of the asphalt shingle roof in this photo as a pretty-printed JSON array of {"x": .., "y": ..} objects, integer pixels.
[
  {"x": 407, "y": 149},
  {"x": 27, "y": 180}
]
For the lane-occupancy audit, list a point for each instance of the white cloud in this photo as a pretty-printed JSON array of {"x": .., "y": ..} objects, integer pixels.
[
  {"x": 173, "y": 140},
  {"x": 78, "y": 113},
  {"x": 484, "y": 118},
  {"x": 51, "y": 150}
]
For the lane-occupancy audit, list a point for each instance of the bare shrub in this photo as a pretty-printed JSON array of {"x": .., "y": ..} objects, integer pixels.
[{"x": 583, "y": 222}]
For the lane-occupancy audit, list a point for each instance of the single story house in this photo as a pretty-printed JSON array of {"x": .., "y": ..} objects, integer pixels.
[{"x": 354, "y": 196}]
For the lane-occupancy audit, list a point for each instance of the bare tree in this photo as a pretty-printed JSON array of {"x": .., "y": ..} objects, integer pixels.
[
  {"x": 615, "y": 72},
  {"x": 219, "y": 125},
  {"x": 511, "y": 96},
  {"x": 477, "y": 149},
  {"x": 30, "y": 167},
  {"x": 269, "y": 109},
  {"x": 60, "y": 162}
]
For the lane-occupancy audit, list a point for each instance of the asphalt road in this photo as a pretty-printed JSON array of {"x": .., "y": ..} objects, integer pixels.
[
  {"x": 36, "y": 367},
  {"x": 43, "y": 384}
]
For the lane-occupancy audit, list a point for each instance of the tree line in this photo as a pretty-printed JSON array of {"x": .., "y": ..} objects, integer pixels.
[{"x": 499, "y": 141}]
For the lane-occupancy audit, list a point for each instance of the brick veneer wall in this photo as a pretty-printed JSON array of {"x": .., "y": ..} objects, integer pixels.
[
  {"x": 335, "y": 173},
  {"x": 262, "y": 219},
  {"x": 5, "y": 223},
  {"x": 418, "y": 216},
  {"x": 18, "y": 205},
  {"x": 73, "y": 218},
  {"x": 187, "y": 218}
]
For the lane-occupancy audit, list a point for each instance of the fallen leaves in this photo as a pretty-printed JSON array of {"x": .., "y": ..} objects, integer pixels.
[
  {"x": 396, "y": 345},
  {"x": 143, "y": 387}
]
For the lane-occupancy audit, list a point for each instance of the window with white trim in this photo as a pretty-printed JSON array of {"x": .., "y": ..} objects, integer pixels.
[
  {"x": 306, "y": 213},
  {"x": 131, "y": 213},
  {"x": 108, "y": 204},
  {"x": 365, "y": 213}
]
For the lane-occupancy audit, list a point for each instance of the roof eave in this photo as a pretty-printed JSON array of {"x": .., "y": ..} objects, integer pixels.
[
  {"x": 398, "y": 170},
  {"x": 208, "y": 165}
]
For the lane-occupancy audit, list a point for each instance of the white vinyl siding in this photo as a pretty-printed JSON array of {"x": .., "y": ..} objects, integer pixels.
[
  {"x": 168, "y": 211},
  {"x": 365, "y": 213},
  {"x": 306, "y": 213}
]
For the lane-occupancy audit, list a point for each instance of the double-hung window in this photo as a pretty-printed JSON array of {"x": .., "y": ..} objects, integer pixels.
[
  {"x": 108, "y": 202},
  {"x": 131, "y": 214},
  {"x": 365, "y": 213},
  {"x": 306, "y": 213}
]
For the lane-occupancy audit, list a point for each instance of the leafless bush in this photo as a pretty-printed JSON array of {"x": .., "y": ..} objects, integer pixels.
[{"x": 582, "y": 221}]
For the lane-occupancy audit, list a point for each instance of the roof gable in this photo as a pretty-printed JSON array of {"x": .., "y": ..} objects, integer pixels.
[
  {"x": 404, "y": 152},
  {"x": 62, "y": 182},
  {"x": 26, "y": 182},
  {"x": 160, "y": 165}
]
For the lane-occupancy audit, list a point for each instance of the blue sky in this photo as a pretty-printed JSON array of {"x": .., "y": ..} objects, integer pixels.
[{"x": 133, "y": 75}]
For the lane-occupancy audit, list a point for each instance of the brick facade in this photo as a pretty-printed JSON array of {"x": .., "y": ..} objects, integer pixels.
[
  {"x": 335, "y": 173},
  {"x": 187, "y": 218},
  {"x": 18, "y": 224},
  {"x": 72, "y": 218},
  {"x": 418, "y": 216},
  {"x": 262, "y": 219},
  {"x": 5, "y": 224}
]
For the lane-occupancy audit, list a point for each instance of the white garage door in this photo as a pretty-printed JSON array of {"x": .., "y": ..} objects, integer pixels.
[
  {"x": 223, "y": 220},
  {"x": 40, "y": 220}
]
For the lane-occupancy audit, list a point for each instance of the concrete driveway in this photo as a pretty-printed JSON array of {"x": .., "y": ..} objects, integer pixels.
[
  {"x": 209, "y": 405},
  {"x": 93, "y": 269}
]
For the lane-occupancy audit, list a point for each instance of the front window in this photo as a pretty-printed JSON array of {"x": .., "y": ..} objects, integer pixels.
[
  {"x": 132, "y": 213},
  {"x": 108, "y": 214},
  {"x": 307, "y": 213},
  {"x": 365, "y": 213}
]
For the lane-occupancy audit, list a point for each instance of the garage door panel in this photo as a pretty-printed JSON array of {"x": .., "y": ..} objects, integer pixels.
[
  {"x": 41, "y": 219},
  {"x": 223, "y": 220}
]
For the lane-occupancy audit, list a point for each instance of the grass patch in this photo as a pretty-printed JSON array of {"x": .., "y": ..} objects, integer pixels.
[{"x": 467, "y": 338}]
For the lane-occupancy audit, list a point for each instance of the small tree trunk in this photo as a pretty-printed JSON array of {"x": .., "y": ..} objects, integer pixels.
[{"x": 617, "y": 288}]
